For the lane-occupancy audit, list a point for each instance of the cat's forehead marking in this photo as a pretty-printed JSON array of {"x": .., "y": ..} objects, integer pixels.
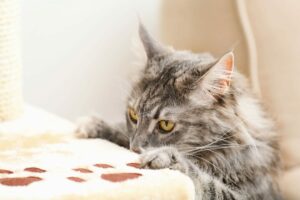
[
  {"x": 152, "y": 125},
  {"x": 133, "y": 102},
  {"x": 136, "y": 103},
  {"x": 149, "y": 113},
  {"x": 152, "y": 112},
  {"x": 165, "y": 113},
  {"x": 169, "y": 113}
]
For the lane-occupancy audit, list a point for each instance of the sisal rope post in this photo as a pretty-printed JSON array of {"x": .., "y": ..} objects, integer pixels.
[{"x": 11, "y": 101}]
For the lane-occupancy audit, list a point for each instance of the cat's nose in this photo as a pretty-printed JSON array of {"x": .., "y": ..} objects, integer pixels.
[
  {"x": 136, "y": 150},
  {"x": 137, "y": 145}
]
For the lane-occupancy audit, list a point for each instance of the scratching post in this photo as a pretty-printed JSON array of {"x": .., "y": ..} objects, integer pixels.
[
  {"x": 11, "y": 103},
  {"x": 15, "y": 116}
]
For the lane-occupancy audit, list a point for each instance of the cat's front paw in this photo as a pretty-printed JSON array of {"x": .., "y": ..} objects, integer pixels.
[
  {"x": 163, "y": 157},
  {"x": 89, "y": 127}
]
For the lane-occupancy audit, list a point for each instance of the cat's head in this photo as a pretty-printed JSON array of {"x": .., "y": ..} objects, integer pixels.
[{"x": 176, "y": 99}]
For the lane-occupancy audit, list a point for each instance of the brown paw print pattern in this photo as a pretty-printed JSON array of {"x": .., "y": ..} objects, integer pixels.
[
  {"x": 119, "y": 177},
  {"x": 5, "y": 171},
  {"x": 83, "y": 170},
  {"x": 76, "y": 179},
  {"x": 19, "y": 181},
  {"x": 111, "y": 177},
  {"x": 102, "y": 165},
  {"x": 35, "y": 170},
  {"x": 135, "y": 165}
]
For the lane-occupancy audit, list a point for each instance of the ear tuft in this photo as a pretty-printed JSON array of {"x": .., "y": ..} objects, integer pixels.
[
  {"x": 227, "y": 62},
  {"x": 218, "y": 78}
]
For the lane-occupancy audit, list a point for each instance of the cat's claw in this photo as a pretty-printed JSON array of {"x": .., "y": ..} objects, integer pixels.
[{"x": 163, "y": 157}]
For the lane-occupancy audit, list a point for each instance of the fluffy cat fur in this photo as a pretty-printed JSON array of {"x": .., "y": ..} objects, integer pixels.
[{"x": 222, "y": 138}]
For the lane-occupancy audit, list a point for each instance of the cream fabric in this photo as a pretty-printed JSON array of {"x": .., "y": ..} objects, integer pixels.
[
  {"x": 59, "y": 154},
  {"x": 40, "y": 139}
]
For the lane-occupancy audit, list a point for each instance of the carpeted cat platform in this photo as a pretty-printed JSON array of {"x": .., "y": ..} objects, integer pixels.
[{"x": 58, "y": 166}]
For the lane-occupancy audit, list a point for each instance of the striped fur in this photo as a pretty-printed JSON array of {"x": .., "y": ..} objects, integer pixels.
[{"x": 222, "y": 139}]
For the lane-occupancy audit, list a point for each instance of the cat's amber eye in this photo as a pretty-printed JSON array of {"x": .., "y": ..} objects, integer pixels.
[
  {"x": 133, "y": 115},
  {"x": 166, "y": 125}
]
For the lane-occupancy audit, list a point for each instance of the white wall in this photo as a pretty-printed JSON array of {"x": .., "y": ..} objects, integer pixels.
[{"x": 77, "y": 54}]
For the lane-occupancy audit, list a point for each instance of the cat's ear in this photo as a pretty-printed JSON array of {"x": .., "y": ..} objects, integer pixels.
[
  {"x": 152, "y": 47},
  {"x": 217, "y": 79}
]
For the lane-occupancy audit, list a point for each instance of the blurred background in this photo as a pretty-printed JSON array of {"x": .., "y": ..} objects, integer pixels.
[{"x": 78, "y": 57}]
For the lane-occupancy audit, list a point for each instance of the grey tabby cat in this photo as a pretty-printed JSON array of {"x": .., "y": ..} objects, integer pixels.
[{"x": 193, "y": 113}]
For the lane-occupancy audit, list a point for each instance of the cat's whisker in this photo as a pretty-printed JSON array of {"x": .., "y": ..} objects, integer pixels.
[
  {"x": 222, "y": 138},
  {"x": 247, "y": 136},
  {"x": 213, "y": 142},
  {"x": 195, "y": 151}
]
